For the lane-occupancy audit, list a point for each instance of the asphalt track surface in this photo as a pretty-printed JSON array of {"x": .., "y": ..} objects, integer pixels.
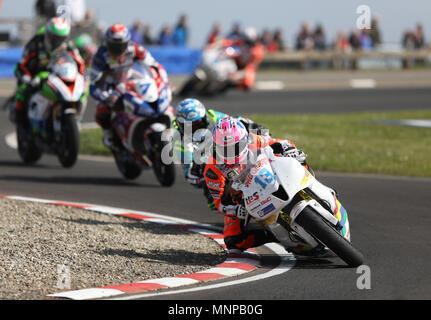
[{"x": 389, "y": 216}]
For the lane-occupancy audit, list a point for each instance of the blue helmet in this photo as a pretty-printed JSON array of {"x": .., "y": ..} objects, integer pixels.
[{"x": 193, "y": 112}]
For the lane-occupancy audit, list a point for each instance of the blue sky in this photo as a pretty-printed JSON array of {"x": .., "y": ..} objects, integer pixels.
[{"x": 395, "y": 16}]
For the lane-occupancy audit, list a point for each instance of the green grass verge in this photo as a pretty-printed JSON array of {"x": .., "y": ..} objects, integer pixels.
[
  {"x": 353, "y": 142},
  {"x": 350, "y": 142}
]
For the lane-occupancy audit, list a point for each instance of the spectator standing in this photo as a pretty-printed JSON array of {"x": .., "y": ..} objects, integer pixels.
[
  {"x": 136, "y": 32},
  {"x": 366, "y": 42},
  {"x": 342, "y": 43},
  {"x": 409, "y": 41},
  {"x": 166, "y": 37},
  {"x": 147, "y": 38},
  {"x": 267, "y": 40},
  {"x": 215, "y": 33},
  {"x": 78, "y": 9},
  {"x": 91, "y": 26},
  {"x": 266, "y": 37},
  {"x": 236, "y": 32},
  {"x": 419, "y": 37},
  {"x": 278, "y": 38},
  {"x": 319, "y": 38},
  {"x": 304, "y": 39},
  {"x": 45, "y": 9},
  {"x": 355, "y": 40},
  {"x": 181, "y": 31},
  {"x": 375, "y": 33}
]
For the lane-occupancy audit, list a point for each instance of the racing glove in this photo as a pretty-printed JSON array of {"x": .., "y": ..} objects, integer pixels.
[
  {"x": 287, "y": 150},
  {"x": 240, "y": 212},
  {"x": 32, "y": 83}
]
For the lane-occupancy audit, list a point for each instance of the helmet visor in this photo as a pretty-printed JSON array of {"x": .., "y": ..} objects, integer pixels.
[
  {"x": 55, "y": 40},
  {"x": 195, "y": 126},
  {"x": 233, "y": 153},
  {"x": 117, "y": 48}
]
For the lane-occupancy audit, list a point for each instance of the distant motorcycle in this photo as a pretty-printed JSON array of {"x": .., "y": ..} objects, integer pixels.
[
  {"x": 141, "y": 116},
  {"x": 285, "y": 198},
  {"x": 213, "y": 74},
  {"x": 53, "y": 113}
]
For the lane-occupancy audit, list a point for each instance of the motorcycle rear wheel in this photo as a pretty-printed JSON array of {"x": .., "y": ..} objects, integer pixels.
[
  {"x": 320, "y": 229},
  {"x": 165, "y": 173},
  {"x": 189, "y": 87}
]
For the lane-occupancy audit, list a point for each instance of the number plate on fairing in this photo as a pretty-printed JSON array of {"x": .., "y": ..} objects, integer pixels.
[{"x": 258, "y": 188}]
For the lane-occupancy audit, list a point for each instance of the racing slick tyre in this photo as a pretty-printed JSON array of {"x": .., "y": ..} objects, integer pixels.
[
  {"x": 165, "y": 173},
  {"x": 68, "y": 149},
  {"x": 27, "y": 148},
  {"x": 321, "y": 230},
  {"x": 127, "y": 166},
  {"x": 189, "y": 86}
]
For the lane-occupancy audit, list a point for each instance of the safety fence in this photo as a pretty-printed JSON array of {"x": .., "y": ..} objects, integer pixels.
[{"x": 184, "y": 60}]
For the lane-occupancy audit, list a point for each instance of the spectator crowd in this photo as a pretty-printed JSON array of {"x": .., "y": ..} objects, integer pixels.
[{"x": 307, "y": 38}]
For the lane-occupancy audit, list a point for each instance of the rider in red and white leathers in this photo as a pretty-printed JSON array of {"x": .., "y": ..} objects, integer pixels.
[{"x": 111, "y": 65}]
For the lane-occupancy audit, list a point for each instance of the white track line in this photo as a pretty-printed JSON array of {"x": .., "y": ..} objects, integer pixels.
[
  {"x": 269, "y": 85},
  {"x": 363, "y": 83}
]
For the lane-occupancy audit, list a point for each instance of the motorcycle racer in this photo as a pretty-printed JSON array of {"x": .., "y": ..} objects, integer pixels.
[
  {"x": 86, "y": 47},
  {"x": 247, "y": 58},
  {"x": 191, "y": 112},
  {"x": 31, "y": 70},
  {"x": 233, "y": 152},
  {"x": 111, "y": 65}
]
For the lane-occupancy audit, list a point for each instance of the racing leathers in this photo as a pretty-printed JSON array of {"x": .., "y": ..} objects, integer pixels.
[
  {"x": 247, "y": 60},
  {"x": 32, "y": 68},
  {"x": 194, "y": 171},
  {"x": 108, "y": 71},
  {"x": 218, "y": 178}
]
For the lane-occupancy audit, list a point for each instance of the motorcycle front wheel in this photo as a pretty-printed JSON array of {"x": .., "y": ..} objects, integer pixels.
[
  {"x": 69, "y": 144},
  {"x": 127, "y": 166},
  {"x": 325, "y": 233},
  {"x": 27, "y": 148}
]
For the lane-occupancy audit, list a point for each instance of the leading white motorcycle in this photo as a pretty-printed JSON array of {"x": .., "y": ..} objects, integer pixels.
[
  {"x": 284, "y": 197},
  {"x": 213, "y": 73}
]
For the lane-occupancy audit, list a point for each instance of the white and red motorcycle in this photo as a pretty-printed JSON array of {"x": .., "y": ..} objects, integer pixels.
[{"x": 285, "y": 198}]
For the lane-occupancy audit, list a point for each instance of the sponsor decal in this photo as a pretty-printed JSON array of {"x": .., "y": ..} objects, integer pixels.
[
  {"x": 259, "y": 165},
  {"x": 306, "y": 178},
  {"x": 252, "y": 199},
  {"x": 213, "y": 185},
  {"x": 266, "y": 210},
  {"x": 265, "y": 201}
]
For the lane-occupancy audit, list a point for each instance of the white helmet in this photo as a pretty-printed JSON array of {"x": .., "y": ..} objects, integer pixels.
[{"x": 250, "y": 34}]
